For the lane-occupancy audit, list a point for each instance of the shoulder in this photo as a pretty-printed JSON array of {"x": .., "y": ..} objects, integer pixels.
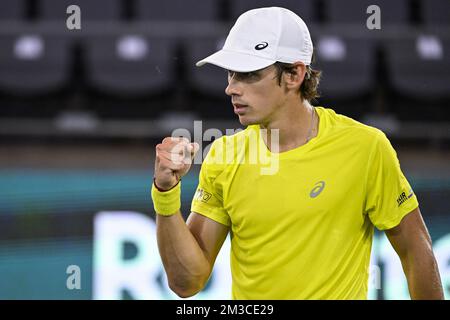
[
  {"x": 239, "y": 135},
  {"x": 355, "y": 131},
  {"x": 228, "y": 149},
  {"x": 230, "y": 143}
]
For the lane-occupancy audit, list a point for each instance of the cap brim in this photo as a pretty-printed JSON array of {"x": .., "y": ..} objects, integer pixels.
[{"x": 236, "y": 61}]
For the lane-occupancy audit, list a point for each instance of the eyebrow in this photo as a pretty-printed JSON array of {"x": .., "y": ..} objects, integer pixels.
[{"x": 248, "y": 72}]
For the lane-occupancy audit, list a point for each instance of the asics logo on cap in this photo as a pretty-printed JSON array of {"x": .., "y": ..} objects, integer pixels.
[{"x": 261, "y": 45}]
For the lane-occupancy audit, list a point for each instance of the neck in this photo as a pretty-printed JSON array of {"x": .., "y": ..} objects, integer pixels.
[{"x": 297, "y": 124}]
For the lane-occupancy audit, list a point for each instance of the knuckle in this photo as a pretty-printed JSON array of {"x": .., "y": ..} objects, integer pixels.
[
  {"x": 177, "y": 148},
  {"x": 180, "y": 139}
]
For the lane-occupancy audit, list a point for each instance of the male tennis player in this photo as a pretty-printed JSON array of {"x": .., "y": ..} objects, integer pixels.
[{"x": 304, "y": 231}]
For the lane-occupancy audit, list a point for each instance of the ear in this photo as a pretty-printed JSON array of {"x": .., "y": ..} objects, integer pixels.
[{"x": 294, "y": 79}]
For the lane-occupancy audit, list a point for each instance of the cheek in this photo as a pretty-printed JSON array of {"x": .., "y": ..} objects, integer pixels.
[
  {"x": 266, "y": 94},
  {"x": 268, "y": 97}
]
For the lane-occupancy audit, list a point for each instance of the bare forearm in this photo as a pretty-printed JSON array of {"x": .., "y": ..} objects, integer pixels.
[
  {"x": 422, "y": 273},
  {"x": 184, "y": 261}
]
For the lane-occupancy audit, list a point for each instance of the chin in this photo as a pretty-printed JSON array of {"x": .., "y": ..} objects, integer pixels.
[{"x": 246, "y": 121}]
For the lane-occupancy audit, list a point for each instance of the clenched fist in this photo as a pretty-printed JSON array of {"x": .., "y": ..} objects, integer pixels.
[{"x": 173, "y": 160}]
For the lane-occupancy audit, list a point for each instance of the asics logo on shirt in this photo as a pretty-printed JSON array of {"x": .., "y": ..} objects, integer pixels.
[{"x": 318, "y": 187}]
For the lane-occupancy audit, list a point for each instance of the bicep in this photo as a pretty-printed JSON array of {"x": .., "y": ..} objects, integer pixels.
[
  {"x": 410, "y": 235},
  {"x": 209, "y": 234}
]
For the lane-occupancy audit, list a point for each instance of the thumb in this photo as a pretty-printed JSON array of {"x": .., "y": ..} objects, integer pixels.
[{"x": 194, "y": 147}]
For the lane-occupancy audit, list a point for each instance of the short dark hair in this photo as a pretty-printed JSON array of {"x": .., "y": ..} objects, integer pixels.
[{"x": 310, "y": 85}]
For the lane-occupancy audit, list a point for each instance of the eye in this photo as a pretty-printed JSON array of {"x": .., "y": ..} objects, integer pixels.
[
  {"x": 243, "y": 76},
  {"x": 248, "y": 74}
]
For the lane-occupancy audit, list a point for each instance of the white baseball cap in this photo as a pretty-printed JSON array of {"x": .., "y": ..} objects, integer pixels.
[{"x": 261, "y": 37}]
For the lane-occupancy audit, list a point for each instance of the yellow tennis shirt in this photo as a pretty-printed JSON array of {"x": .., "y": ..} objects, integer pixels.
[{"x": 302, "y": 221}]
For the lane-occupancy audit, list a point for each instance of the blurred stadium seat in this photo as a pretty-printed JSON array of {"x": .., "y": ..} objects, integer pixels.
[
  {"x": 348, "y": 78},
  {"x": 91, "y": 10},
  {"x": 31, "y": 66},
  {"x": 419, "y": 77},
  {"x": 354, "y": 11},
  {"x": 130, "y": 67},
  {"x": 304, "y": 8},
  {"x": 12, "y": 10},
  {"x": 436, "y": 12},
  {"x": 178, "y": 10}
]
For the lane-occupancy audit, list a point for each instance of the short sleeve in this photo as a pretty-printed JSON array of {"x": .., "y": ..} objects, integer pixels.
[
  {"x": 389, "y": 196},
  {"x": 208, "y": 199}
]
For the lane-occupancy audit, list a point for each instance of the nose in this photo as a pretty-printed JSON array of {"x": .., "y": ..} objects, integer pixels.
[{"x": 233, "y": 88}]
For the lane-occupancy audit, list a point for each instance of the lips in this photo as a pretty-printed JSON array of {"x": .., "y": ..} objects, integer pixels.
[{"x": 239, "y": 108}]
